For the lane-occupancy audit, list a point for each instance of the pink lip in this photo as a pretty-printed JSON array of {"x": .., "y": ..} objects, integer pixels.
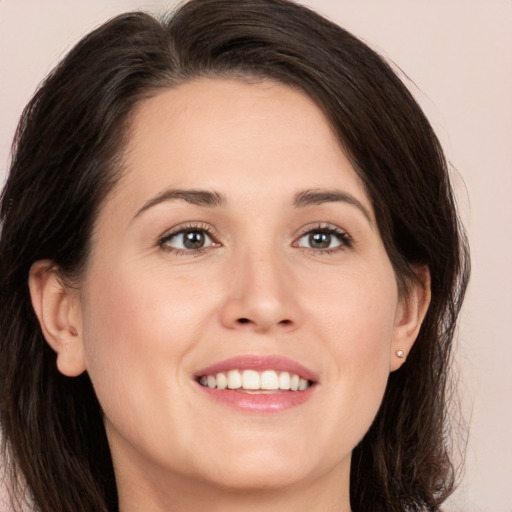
[
  {"x": 260, "y": 403},
  {"x": 259, "y": 363},
  {"x": 276, "y": 402}
]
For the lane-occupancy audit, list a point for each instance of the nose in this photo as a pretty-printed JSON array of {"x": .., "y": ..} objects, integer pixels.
[{"x": 262, "y": 294}]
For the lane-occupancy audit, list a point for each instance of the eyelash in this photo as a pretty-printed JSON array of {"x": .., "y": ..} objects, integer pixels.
[
  {"x": 343, "y": 237},
  {"x": 199, "y": 228},
  {"x": 345, "y": 240}
]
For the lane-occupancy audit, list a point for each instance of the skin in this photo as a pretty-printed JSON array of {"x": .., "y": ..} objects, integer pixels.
[{"x": 146, "y": 318}]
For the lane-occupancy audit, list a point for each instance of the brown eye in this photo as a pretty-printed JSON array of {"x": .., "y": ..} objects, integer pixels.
[
  {"x": 194, "y": 239},
  {"x": 188, "y": 240},
  {"x": 319, "y": 240},
  {"x": 325, "y": 239}
]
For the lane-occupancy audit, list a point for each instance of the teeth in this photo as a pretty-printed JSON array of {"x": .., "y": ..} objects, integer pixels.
[
  {"x": 303, "y": 384},
  {"x": 234, "y": 379},
  {"x": 252, "y": 380},
  {"x": 284, "y": 380},
  {"x": 269, "y": 380},
  {"x": 222, "y": 381}
]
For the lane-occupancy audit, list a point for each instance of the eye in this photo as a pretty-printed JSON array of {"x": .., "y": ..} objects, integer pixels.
[
  {"x": 325, "y": 239},
  {"x": 187, "y": 240}
]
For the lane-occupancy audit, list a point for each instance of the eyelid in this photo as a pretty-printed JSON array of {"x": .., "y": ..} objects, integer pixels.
[
  {"x": 189, "y": 226},
  {"x": 346, "y": 241}
]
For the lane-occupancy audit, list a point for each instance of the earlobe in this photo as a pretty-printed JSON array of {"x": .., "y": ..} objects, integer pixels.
[
  {"x": 409, "y": 318},
  {"x": 58, "y": 311}
]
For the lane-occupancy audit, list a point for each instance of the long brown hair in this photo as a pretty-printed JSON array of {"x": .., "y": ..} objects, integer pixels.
[{"x": 65, "y": 161}]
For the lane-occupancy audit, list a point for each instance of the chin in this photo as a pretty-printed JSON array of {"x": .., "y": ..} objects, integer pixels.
[
  {"x": 265, "y": 469},
  {"x": 266, "y": 476}
]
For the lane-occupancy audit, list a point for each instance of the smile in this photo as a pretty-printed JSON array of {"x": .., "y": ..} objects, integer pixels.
[
  {"x": 258, "y": 383},
  {"x": 255, "y": 381}
]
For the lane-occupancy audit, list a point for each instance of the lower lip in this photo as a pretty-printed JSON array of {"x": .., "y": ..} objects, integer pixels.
[{"x": 253, "y": 402}]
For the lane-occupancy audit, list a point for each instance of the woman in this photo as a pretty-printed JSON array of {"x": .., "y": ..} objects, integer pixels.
[{"x": 231, "y": 271}]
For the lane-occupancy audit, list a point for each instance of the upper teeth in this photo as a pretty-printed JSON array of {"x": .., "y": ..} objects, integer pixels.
[{"x": 254, "y": 380}]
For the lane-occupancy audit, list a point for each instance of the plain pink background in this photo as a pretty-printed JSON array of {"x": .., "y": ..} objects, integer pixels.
[{"x": 458, "y": 56}]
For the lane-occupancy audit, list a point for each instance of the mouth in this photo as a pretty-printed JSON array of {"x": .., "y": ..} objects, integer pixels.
[
  {"x": 258, "y": 383},
  {"x": 253, "y": 381}
]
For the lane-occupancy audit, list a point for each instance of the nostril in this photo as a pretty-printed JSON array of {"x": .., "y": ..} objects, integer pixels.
[{"x": 263, "y": 325}]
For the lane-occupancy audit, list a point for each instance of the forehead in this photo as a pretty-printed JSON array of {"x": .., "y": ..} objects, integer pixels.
[{"x": 238, "y": 137}]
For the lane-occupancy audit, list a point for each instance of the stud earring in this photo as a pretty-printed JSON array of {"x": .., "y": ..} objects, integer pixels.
[{"x": 400, "y": 354}]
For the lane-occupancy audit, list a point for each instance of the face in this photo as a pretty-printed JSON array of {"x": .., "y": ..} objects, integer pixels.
[{"x": 239, "y": 315}]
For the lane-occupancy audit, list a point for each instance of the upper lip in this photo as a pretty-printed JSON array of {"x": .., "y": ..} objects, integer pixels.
[{"x": 259, "y": 363}]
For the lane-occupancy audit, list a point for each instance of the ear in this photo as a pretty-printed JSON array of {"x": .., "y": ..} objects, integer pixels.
[
  {"x": 57, "y": 306},
  {"x": 411, "y": 311}
]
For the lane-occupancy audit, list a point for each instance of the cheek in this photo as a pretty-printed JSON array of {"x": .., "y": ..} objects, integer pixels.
[
  {"x": 139, "y": 310},
  {"x": 366, "y": 327},
  {"x": 357, "y": 330},
  {"x": 138, "y": 330},
  {"x": 357, "y": 310}
]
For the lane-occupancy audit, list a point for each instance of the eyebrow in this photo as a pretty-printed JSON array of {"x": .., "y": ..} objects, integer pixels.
[
  {"x": 211, "y": 199},
  {"x": 316, "y": 197},
  {"x": 197, "y": 197}
]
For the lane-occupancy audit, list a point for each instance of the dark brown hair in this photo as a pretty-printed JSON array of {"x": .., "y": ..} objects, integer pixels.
[{"x": 66, "y": 158}]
